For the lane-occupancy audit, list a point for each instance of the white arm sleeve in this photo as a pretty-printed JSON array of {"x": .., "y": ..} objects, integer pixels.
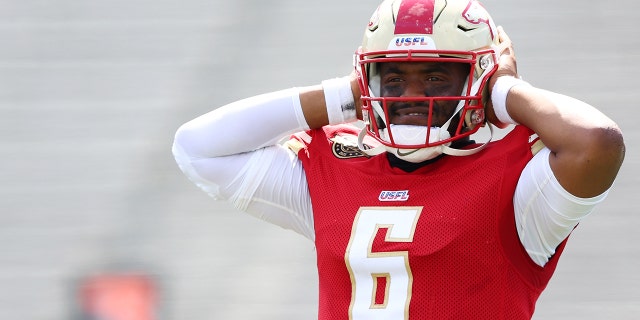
[
  {"x": 231, "y": 154},
  {"x": 545, "y": 212},
  {"x": 244, "y": 125}
]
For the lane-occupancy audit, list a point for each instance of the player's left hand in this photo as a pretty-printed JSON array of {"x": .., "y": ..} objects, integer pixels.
[{"x": 507, "y": 66}]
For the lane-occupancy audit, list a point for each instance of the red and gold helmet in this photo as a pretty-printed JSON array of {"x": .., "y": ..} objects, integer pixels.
[{"x": 458, "y": 31}]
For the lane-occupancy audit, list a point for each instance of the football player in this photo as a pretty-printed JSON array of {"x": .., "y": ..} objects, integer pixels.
[{"x": 411, "y": 218}]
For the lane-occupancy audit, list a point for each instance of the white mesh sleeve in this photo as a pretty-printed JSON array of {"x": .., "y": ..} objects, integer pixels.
[
  {"x": 231, "y": 154},
  {"x": 545, "y": 212},
  {"x": 268, "y": 183}
]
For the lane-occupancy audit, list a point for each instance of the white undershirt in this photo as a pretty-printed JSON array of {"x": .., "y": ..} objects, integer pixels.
[{"x": 232, "y": 153}]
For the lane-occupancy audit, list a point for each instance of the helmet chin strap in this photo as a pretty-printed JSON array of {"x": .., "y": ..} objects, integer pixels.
[{"x": 423, "y": 154}]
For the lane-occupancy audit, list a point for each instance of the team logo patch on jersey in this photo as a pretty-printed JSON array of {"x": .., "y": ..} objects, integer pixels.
[
  {"x": 344, "y": 148},
  {"x": 401, "y": 195}
]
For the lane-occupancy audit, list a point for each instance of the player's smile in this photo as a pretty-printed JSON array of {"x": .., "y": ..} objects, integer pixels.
[
  {"x": 412, "y": 114},
  {"x": 416, "y": 81}
]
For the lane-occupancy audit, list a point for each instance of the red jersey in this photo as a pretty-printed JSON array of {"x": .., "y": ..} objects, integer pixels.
[{"x": 436, "y": 243}]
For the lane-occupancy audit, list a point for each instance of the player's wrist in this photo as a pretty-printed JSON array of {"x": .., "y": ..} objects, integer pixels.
[
  {"x": 339, "y": 100},
  {"x": 499, "y": 94}
]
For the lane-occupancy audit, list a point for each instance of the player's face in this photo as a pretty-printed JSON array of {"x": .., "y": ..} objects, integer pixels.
[{"x": 422, "y": 79}]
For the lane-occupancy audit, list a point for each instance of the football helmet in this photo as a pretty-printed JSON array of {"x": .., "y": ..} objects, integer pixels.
[{"x": 459, "y": 31}]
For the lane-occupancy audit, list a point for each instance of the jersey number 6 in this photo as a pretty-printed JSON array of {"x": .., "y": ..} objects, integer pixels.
[{"x": 380, "y": 281}]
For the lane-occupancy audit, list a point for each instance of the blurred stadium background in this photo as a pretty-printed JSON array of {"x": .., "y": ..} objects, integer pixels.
[{"x": 91, "y": 93}]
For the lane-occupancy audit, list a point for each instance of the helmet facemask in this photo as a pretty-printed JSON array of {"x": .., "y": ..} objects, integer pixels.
[
  {"x": 383, "y": 45},
  {"x": 417, "y": 143}
]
